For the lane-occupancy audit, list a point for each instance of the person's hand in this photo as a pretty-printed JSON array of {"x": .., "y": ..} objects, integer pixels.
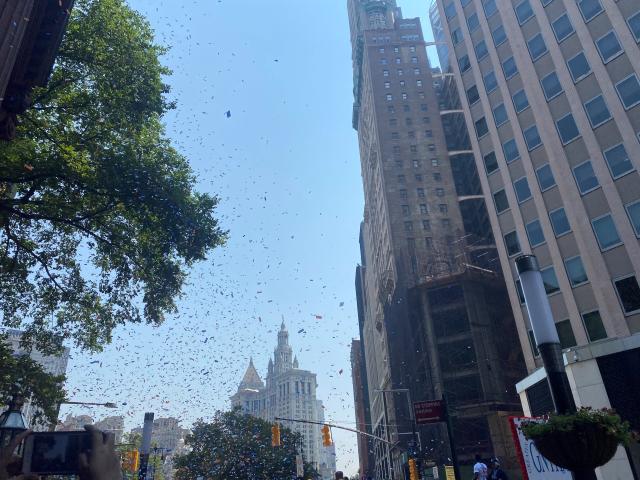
[
  {"x": 10, "y": 465},
  {"x": 102, "y": 461}
]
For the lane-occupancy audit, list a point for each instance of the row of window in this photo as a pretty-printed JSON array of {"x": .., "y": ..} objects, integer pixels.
[
  {"x": 420, "y": 191},
  {"x": 405, "y": 96},
  {"x": 408, "y": 121},
  {"x": 412, "y": 49},
  {"x": 398, "y": 60},
  {"x": 426, "y": 225},
  {"x": 400, "y": 72},
  {"x": 435, "y": 162},
  {"x": 428, "y": 242},
  {"x": 403, "y": 84}
]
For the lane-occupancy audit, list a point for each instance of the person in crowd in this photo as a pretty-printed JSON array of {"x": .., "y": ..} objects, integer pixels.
[
  {"x": 496, "y": 471},
  {"x": 480, "y": 470}
]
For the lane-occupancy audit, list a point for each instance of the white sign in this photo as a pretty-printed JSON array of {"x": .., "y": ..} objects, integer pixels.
[
  {"x": 299, "y": 466},
  {"x": 534, "y": 465}
]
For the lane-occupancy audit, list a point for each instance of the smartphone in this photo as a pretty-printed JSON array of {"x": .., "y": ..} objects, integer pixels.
[{"x": 54, "y": 453}]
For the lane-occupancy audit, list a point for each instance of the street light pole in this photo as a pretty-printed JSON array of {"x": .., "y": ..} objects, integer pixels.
[{"x": 547, "y": 340}]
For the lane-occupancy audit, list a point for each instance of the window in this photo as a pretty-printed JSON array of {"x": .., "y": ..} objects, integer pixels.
[
  {"x": 520, "y": 101},
  {"x": 431, "y": 147},
  {"x": 608, "y": 46},
  {"x": 412, "y": 48},
  {"x": 549, "y": 280},
  {"x": 435, "y": 162},
  {"x": 406, "y": 108},
  {"x": 426, "y": 120},
  {"x": 428, "y": 242},
  {"x": 551, "y": 86},
  {"x": 490, "y": 82},
  {"x": 408, "y": 121},
  {"x": 512, "y": 243},
  {"x": 575, "y": 271},
  {"x": 393, "y": 122},
  {"x": 424, "y": 107},
  {"x": 633, "y": 211},
  {"x": 464, "y": 3},
  {"x": 400, "y": 72},
  {"x": 500, "y": 114},
  {"x": 532, "y": 137},
  {"x": 629, "y": 91},
  {"x": 520, "y": 292},
  {"x": 597, "y": 111},
  {"x": 567, "y": 128},
  {"x": 423, "y": 209},
  {"x": 534, "y": 232},
  {"x": 489, "y": 7},
  {"x": 634, "y": 25},
  {"x": 402, "y": 179},
  {"x": 481, "y": 50},
  {"x": 387, "y": 84},
  {"x": 472, "y": 95},
  {"x": 414, "y": 59},
  {"x": 534, "y": 347},
  {"x": 437, "y": 177},
  {"x": 440, "y": 192},
  {"x": 417, "y": 163},
  {"x": 509, "y": 68},
  {"x": 396, "y": 50},
  {"x": 446, "y": 223},
  {"x": 481, "y": 127},
  {"x": 618, "y": 161},
  {"x": 589, "y": 8},
  {"x": 444, "y": 208},
  {"x": 628, "y": 293},
  {"x": 428, "y": 133},
  {"x": 559, "y": 222},
  {"x": 426, "y": 225},
  {"x": 524, "y": 11},
  {"x": 499, "y": 35},
  {"x": 579, "y": 67},
  {"x": 406, "y": 211},
  {"x": 500, "y": 199},
  {"x": 562, "y": 27},
  {"x": 404, "y": 96},
  {"x": 420, "y": 192},
  {"x": 391, "y": 109},
  {"x": 545, "y": 177},
  {"x": 383, "y": 61},
  {"x": 585, "y": 177},
  {"x": 398, "y": 61},
  {"x": 464, "y": 63},
  {"x": 418, "y": 83},
  {"x": 523, "y": 192},
  {"x": 546, "y": 2},
  {"x": 418, "y": 177},
  {"x": 510, "y": 149},
  {"x": 565, "y": 334},
  {"x": 411, "y": 242},
  {"x": 408, "y": 226},
  {"x": 594, "y": 326},
  {"x": 403, "y": 193},
  {"x": 490, "y": 162},
  {"x": 416, "y": 71},
  {"x": 606, "y": 232},
  {"x": 413, "y": 148},
  {"x": 389, "y": 97},
  {"x": 473, "y": 22},
  {"x": 395, "y": 136},
  {"x": 537, "y": 47}
]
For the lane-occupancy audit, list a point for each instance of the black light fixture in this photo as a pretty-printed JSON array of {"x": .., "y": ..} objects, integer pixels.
[{"x": 12, "y": 422}]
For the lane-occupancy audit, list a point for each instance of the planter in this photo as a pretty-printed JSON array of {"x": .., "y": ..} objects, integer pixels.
[{"x": 585, "y": 446}]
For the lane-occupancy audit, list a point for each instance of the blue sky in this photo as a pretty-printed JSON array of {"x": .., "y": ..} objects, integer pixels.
[{"x": 286, "y": 167}]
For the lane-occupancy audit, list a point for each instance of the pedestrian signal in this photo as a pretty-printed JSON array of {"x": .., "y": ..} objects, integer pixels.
[
  {"x": 413, "y": 470},
  {"x": 131, "y": 461},
  {"x": 275, "y": 435},
  {"x": 326, "y": 436}
]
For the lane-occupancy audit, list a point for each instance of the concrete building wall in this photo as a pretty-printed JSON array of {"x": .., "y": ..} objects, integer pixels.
[{"x": 596, "y": 294}]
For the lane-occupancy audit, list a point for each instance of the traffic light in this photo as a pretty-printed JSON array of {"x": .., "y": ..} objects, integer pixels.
[
  {"x": 275, "y": 435},
  {"x": 413, "y": 470},
  {"x": 131, "y": 461},
  {"x": 326, "y": 436}
]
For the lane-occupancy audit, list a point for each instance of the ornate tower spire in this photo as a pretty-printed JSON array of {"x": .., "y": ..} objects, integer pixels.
[
  {"x": 251, "y": 379},
  {"x": 295, "y": 362},
  {"x": 283, "y": 352}
]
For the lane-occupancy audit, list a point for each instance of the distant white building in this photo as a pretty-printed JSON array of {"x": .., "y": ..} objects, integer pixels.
[
  {"x": 114, "y": 424},
  {"x": 289, "y": 393},
  {"x": 53, "y": 364},
  {"x": 167, "y": 438}
]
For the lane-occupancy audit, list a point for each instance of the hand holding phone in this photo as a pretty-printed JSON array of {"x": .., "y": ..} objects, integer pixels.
[{"x": 101, "y": 462}]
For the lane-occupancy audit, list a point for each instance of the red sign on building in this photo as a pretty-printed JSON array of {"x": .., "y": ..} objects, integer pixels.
[{"x": 429, "y": 412}]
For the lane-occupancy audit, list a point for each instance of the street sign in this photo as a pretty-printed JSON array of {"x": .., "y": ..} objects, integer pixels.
[
  {"x": 449, "y": 472},
  {"x": 534, "y": 466},
  {"x": 431, "y": 411}
]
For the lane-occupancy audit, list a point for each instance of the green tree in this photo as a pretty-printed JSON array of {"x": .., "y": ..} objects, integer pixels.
[
  {"x": 235, "y": 445},
  {"x": 99, "y": 217},
  {"x": 23, "y": 376}
]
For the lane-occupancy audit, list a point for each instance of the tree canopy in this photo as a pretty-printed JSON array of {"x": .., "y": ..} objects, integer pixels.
[
  {"x": 238, "y": 446},
  {"x": 99, "y": 217}
]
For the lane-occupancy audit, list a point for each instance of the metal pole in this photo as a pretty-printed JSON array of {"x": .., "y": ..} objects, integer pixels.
[{"x": 452, "y": 446}]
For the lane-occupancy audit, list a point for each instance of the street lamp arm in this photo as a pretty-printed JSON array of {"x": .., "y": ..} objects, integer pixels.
[{"x": 98, "y": 404}]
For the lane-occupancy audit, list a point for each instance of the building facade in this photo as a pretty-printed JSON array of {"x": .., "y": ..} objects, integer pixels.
[
  {"x": 362, "y": 411},
  {"x": 113, "y": 424},
  {"x": 52, "y": 364},
  {"x": 428, "y": 260},
  {"x": 551, "y": 91},
  {"x": 289, "y": 392}
]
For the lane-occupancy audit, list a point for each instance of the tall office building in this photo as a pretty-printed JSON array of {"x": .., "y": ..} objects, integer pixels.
[
  {"x": 551, "y": 92},
  {"x": 289, "y": 392},
  {"x": 428, "y": 263}
]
